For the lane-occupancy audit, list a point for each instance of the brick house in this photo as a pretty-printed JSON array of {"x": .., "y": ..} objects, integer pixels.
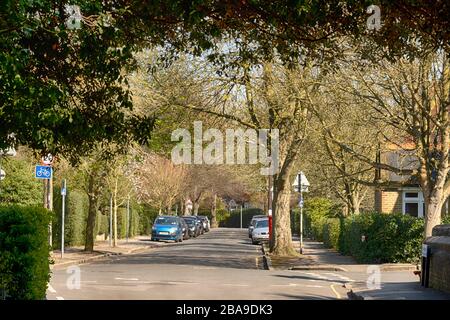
[{"x": 404, "y": 195}]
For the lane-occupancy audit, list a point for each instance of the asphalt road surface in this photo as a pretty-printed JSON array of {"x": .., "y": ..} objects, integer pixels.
[{"x": 221, "y": 264}]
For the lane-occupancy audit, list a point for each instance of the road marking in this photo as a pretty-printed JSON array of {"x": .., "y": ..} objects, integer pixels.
[
  {"x": 335, "y": 292},
  {"x": 340, "y": 276},
  {"x": 59, "y": 298},
  {"x": 50, "y": 288},
  {"x": 205, "y": 268},
  {"x": 313, "y": 286},
  {"x": 127, "y": 279},
  {"x": 235, "y": 285}
]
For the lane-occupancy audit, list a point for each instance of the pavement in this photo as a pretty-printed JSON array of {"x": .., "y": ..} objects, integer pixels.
[
  {"x": 393, "y": 281},
  {"x": 77, "y": 255},
  {"x": 222, "y": 265}
]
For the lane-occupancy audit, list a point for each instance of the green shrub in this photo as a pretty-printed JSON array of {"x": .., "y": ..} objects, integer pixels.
[
  {"x": 19, "y": 185},
  {"x": 331, "y": 233},
  {"x": 24, "y": 252},
  {"x": 77, "y": 206},
  {"x": 446, "y": 219},
  {"x": 389, "y": 238},
  {"x": 234, "y": 219},
  {"x": 315, "y": 214}
]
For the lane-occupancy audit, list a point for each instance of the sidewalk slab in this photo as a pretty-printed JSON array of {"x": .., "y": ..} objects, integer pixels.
[{"x": 77, "y": 255}]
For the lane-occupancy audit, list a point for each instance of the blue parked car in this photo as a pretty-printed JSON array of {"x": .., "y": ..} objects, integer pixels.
[{"x": 167, "y": 228}]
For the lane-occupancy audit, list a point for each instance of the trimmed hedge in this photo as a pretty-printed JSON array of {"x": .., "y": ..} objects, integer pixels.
[
  {"x": 77, "y": 206},
  {"x": 24, "y": 252},
  {"x": 331, "y": 233},
  {"x": 234, "y": 219},
  {"x": 389, "y": 238}
]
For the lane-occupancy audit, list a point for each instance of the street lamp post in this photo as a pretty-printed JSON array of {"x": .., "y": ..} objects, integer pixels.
[{"x": 302, "y": 183}]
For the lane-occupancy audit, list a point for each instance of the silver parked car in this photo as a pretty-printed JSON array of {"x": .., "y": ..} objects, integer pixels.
[
  {"x": 260, "y": 231},
  {"x": 252, "y": 223}
]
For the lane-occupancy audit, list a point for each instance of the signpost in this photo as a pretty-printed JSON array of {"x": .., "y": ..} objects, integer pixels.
[
  {"x": 2, "y": 174},
  {"x": 45, "y": 172},
  {"x": 63, "y": 194},
  {"x": 241, "y": 216},
  {"x": 302, "y": 185}
]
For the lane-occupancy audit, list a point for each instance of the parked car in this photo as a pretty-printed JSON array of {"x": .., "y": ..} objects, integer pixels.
[
  {"x": 206, "y": 224},
  {"x": 200, "y": 224},
  {"x": 260, "y": 231},
  {"x": 167, "y": 228},
  {"x": 185, "y": 228},
  {"x": 193, "y": 226},
  {"x": 252, "y": 223}
]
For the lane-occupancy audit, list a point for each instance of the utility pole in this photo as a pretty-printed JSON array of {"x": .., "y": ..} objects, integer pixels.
[
  {"x": 241, "y": 216},
  {"x": 128, "y": 215},
  {"x": 110, "y": 220},
  {"x": 63, "y": 194},
  {"x": 301, "y": 212}
]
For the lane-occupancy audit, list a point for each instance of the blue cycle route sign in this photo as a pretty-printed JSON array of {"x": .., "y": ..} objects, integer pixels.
[{"x": 43, "y": 172}]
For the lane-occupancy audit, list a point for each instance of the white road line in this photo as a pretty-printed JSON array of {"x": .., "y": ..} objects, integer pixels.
[
  {"x": 340, "y": 276},
  {"x": 50, "y": 288},
  {"x": 127, "y": 279},
  {"x": 235, "y": 285},
  {"x": 59, "y": 298},
  {"x": 313, "y": 286}
]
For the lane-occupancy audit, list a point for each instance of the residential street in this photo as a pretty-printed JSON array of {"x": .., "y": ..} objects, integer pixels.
[{"x": 221, "y": 264}]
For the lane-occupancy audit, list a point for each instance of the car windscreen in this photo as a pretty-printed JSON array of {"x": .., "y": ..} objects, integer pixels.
[
  {"x": 189, "y": 222},
  {"x": 262, "y": 224},
  {"x": 166, "y": 221}
]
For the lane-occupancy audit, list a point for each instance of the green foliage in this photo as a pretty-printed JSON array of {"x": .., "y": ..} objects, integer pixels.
[
  {"x": 234, "y": 219},
  {"x": 24, "y": 252},
  {"x": 19, "y": 185},
  {"x": 389, "y": 238},
  {"x": 446, "y": 219},
  {"x": 316, "y": 212},
  {"x": 331, "y": 233},
  {"x": 77, "y": 204},
  {"x": 63, "y": 90}
]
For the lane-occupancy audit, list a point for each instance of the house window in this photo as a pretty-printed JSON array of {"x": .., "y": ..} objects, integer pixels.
[{"x": 413, "y": 203}]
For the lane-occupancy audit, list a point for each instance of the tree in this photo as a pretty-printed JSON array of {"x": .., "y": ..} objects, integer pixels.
[
  {"x": 19, "y": 185},
  {"x": 411, "y": 98},
  {"x": 158, "y": 181},
  {"x": 119, "y": 186}
]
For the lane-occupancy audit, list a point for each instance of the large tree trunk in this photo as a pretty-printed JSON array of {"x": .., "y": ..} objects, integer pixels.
[
  {"x": 214, "y": 223},
  {"x": 93, "y": 194},
  {"x": 196, "y": 206},
  {"x": 281, "y": 243}
]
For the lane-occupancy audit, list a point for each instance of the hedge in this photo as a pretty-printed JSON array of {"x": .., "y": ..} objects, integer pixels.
[
  {"x": 77, "y": 206},
  {"x": 234, "y": 219},
  {"x": 24, "y": 252},
  {"x": 388, "y": 238},
  {"x": 331, "y": 233}
]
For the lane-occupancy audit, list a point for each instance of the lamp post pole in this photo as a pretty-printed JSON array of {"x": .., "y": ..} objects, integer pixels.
[{"x": 301, "y": 212}]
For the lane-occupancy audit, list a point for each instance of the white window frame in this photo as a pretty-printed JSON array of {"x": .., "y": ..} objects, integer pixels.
[{"x": 419, "y": 200}]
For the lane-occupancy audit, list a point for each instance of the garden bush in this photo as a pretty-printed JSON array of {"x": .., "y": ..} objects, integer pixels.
[
  {"x": 24, "y": 252},
  {"x": 389, "y": 238},
  {"x": 316, "y": 212},
  {"x": 331, "y": 233},
  {"x": 234, "y": 219},
  {"x": 77, "y": 206}
]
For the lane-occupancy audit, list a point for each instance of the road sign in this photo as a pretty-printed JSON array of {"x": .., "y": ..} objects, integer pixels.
[
  {"x": 48, "y": 159},
  {"x": 303, "y": 180},
  {"x": 43, "y": 172},
  {"x": 2, "y": 174},
  {"x": 63, "y": 191},
  {"x": 300, "y": 203}
]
